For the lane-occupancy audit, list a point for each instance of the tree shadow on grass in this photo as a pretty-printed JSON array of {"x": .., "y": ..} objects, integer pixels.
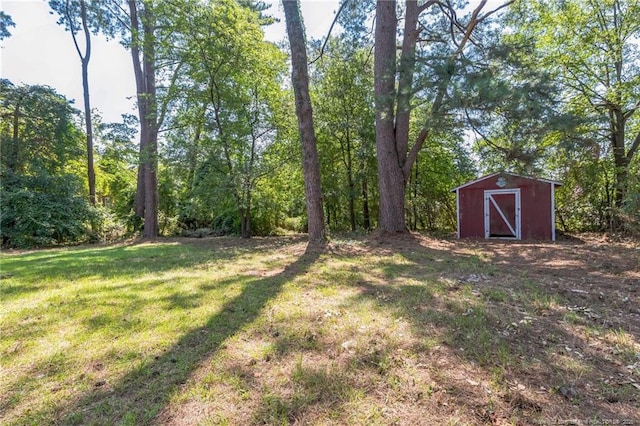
[
  {"x": 512, "y": 333},
  {"x": 141, "y": 394},
  {"x": 317, "y": 388}
]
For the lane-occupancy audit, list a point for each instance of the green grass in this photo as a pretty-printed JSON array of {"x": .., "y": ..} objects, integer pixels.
[
  {"x": 78, "y": 320},
  {"x": 229, "y": 331}
]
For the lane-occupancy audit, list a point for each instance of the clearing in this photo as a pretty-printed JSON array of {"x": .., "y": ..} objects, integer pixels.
[{"x": 409, "y": 330}]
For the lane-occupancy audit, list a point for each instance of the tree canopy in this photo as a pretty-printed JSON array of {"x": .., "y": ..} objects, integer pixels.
[{"x": 404, "y": 101}]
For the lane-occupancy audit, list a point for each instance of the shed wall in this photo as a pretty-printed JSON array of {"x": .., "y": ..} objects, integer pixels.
[{"x": 536, "y": 206}]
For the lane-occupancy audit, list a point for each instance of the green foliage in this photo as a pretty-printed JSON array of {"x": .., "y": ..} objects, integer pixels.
[
  {"x": 444, "y": 161},
  {"x": 5, "y": 23},
  {"x": 229, "y": 115},
  {"x": 443, "y": 166},
  {"x": 356, "y": 22},
  {"x": 39, "y": 130},
  {"x": 69, "y": 14},
  {"x": 344, "y": 121},
  {"x": 116, "y": 165},
  {"x": 513, "y": 107},
  {"x": 43, "y": 210},
  {"x": 540, "y": 92},
  {"x": 590, "y": 49},
  {"x": 43, "y": 202},
  {"x": 631, "y": 206}
]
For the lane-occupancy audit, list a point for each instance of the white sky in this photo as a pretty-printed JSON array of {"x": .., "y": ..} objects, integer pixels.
[{"x": 40, "y": 52}]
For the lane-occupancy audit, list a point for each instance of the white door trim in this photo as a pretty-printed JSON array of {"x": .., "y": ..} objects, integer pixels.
[
  {"x": 489, "y": 200},
  {"x": 553, "y": 211},
  {"x": 458, "y": 213}
]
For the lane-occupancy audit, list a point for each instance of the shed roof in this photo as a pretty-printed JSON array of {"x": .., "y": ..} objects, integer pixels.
[{"x": 554, "y": 182}]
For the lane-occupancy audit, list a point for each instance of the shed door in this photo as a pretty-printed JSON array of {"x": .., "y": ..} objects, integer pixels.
[{"x": 502, "y": 213}]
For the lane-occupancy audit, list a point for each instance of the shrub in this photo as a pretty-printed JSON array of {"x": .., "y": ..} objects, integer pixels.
[{"x": 44, "y": 210}]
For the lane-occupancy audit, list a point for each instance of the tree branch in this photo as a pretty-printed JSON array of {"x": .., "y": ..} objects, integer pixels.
[
  {"x": 482, "y": 135},
  {"x": 72, "y": 29},
  {"x": 632, "y": 111},
  {"x": 437, "y": 103},
  {"x": 165, "y": 103},
  {"x": 428, "y": 5},
  {"x": 87, "y": 34},
  {"x": 470, "y": 27},
  {"x": 502, "y": 6},
  {"x": 413, "y": 154},
  {"x": 475, "y": 20},
  {"x": 326, "y": 40}
]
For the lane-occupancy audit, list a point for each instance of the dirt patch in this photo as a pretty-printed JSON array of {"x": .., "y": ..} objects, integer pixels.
[{"x": 569, "y": 312}]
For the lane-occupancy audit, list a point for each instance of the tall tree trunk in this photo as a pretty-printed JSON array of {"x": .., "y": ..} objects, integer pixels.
[
  {"x": 151, "y": 166},
  {"x": 619, "y": 155},
  {"x": 144, "y": 69},
  {"x": 245, "y": 211},
  {"x": 391, "y": 180},
  {"x": 392, "y": 127},
  {"x": 91, "y": 174},
  {"x": 142, "y": 107},
  {"x": 350, "y": 182},
  {"x": 352, "y": 204},
  {"x": 245, "y": 221},
  {"x": 395, "y": 159},
  {"x": 300, "y": 82},
  {"x": 84, "y": 59},
  {"x": 366, "y": 216},
  {"x": 414, "y": 225},
  {"x": 139, "y": 202},
  {"x": 192, "y": 155}
]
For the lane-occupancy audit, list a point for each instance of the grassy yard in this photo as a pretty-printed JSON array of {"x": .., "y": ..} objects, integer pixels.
[{"x": 409, "y": 330}]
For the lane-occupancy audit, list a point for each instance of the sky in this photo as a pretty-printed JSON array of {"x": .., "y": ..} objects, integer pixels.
[{"x": 42, "y": 52}]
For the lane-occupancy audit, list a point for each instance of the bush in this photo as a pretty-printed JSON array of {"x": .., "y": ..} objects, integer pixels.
[
  {"x": 631, "y": 208},
  {"x": 44, "y": 210},
  {"x": 108, "y": 227},
  {"x": 295, "y": 224}
]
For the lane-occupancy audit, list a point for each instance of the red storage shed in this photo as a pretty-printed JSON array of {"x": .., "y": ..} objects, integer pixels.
[{"x": 506, "y": 205}]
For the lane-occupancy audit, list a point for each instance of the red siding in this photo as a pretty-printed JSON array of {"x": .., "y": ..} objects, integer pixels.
[
  {"x": 471, "y": 209},
  {"x": 535, "y": 206}
]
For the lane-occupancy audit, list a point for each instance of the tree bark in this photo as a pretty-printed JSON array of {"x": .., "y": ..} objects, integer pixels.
[
  {"x": 142, "y": 107},
  {"x": 91, "y": 174},
  {"x": 391, "y": 180},
  {"x": 144, "y": 69},
  {"x": 366, "y": 216},
  {"x": 619, "y": 155},
  {"x": 245, "y": 221},
  {"x": 84, "y": 59},
  {"x": 405, "y": 83},
  {"x": 348, "y": 163},
  {"x": 151, "y": 171},
  {"x": 193, "y": 157},
  {"x": 300, "y": 82},
  {"x": 415, "y": 184},
  {"x": 395, "y": 159}
]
